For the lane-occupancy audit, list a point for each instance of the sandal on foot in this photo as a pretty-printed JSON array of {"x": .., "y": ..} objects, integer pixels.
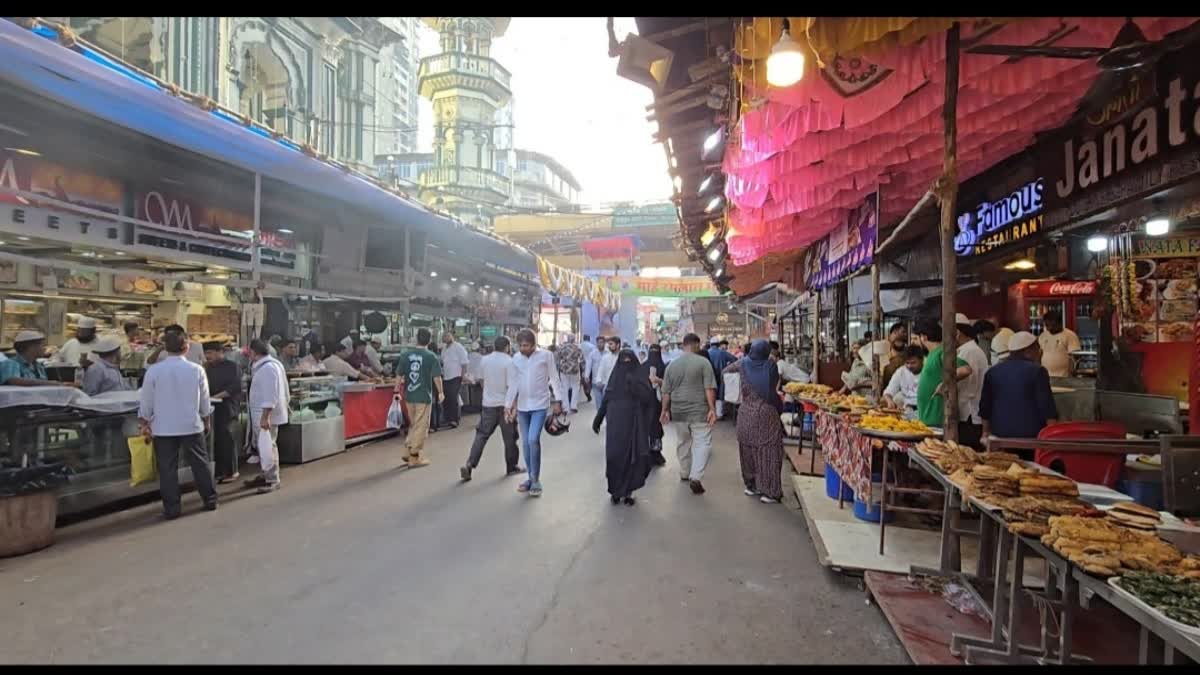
[{"x": 524, "y": 487}]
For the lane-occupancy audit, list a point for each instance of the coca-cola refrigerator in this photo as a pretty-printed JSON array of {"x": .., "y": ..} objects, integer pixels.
[{"x": 1028, "y": 302}]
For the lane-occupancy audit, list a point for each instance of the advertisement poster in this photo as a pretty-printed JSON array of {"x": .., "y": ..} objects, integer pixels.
[
  {"x": 34, "y": 174},
  {"x": 1167, "y": 274},
  {"x": 67, "y": 280},
  {"x": 850, "y": 247},
  {"x": 138, "y": 285}
]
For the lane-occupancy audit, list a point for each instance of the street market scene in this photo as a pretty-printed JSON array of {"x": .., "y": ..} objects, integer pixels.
[{"x": 661, "y": 340}]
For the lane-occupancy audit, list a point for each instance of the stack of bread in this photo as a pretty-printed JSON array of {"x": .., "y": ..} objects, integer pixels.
[
  {"x": 1135, "y": 516},
  {"x": 1105, "y": 547},
  {"x": 1048, "y": 485},
  {"x": 948, "y": 455}
]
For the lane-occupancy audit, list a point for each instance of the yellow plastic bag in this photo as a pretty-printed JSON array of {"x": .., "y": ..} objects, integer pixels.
[{"x": 143, "y": 468}]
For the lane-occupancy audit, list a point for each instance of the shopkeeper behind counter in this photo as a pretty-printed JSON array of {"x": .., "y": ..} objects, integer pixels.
[
  {"x": 78, "y": 349},
  {"x": 23, "y": 369}
]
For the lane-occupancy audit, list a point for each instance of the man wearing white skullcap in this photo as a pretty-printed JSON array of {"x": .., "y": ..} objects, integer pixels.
[
  {"x": 1016, "y": 401},
  {"x": 79, "y": 348},
  {"x": 23, "y": 370}
]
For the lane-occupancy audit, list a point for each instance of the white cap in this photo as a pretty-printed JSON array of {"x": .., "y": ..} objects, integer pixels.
[
  {"x": 86, "y": 322},
  {"x": 106, "y": 344},
  {"x": 962, "y": 319},
  {"x": 1020, "y": 341},
  {"x": 715, "y": 341},
  {"x": 27, "y": 336}
]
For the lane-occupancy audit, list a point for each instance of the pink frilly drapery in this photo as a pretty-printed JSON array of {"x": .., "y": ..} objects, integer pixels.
[{"x": 815, "y": 150}]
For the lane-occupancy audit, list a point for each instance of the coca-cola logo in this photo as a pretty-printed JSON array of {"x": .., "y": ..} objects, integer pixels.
[{"x": 1073, "y": 288}]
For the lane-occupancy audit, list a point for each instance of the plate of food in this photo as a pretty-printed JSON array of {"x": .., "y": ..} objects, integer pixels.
[
  {"x": 1180, "y": 289},
  {"x": 1176, "y": 268},
  {"x": 1140, "y": 332},
  {"x": 1175, "y": 599},
  {"x": 1176, "y": 331},
  {"x": 894, "y": 428},
  {"x": 1177, "y": 310}
]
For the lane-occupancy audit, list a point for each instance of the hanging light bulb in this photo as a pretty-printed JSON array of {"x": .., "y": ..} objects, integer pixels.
[
  {"x": 785, "y": 65},
  {"x": 1097, "y": 243}
]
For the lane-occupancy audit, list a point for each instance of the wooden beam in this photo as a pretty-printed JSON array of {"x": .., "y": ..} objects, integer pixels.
[
  {"x": 679, "y": 31},
  {"x": 682, "y": 92},
  {"x": 949, "y": 199},
  {"x": 912, "y": 215},
  {"x": 705, "y": 68}
]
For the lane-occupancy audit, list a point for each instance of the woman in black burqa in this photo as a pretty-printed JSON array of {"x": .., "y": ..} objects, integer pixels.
[
  {"x": 652, "y": 371},
  {"x": 627, "y": 397}
]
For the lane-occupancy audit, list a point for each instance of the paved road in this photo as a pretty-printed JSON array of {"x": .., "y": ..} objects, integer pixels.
[{"x": 356, "y": 560}]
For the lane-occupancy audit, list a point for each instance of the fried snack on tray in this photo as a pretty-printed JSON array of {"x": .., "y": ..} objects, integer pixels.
[
  {"x": 878, "y": 422},
  {"x": 1028, "y": 529},
  {"x": 1049, "y": 485}
]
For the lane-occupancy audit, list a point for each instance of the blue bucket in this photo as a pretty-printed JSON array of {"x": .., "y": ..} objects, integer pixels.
[
  {"x": 832, "y": 480},
  {"x": 871, "y": 512}
]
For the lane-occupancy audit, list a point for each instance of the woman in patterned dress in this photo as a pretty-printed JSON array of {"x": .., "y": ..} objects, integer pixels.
[{"x": 759, "y": 431}]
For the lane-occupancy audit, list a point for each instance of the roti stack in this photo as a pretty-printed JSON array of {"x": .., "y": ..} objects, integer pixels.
[
  {"x": 1048, "y": 486},
  {"x": 1135, "y": 516}
]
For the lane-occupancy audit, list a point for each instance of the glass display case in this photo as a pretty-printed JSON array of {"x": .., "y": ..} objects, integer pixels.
[
  {"x": 313, "y": 392},
  {"x": 18, "y": 315},
  {"x": 316, "y": 426}
]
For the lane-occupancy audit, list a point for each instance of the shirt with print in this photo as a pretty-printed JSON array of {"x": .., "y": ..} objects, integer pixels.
[
  {"x": 420, "y": 367},
  {"x": 569, "y": 359},
  {"x": 930, "y": 408}
]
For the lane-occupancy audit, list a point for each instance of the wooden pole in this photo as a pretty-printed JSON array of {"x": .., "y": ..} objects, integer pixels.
[
  {"x": 949, "y": 198},
  {"x": 816, "y": 338},
  {"x": 877, "y": 330}
]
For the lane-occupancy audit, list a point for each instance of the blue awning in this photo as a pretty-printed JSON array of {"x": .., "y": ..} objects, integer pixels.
[{"x": 95, "y": 84}]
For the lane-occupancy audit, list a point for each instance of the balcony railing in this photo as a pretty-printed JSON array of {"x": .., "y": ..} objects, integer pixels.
[
  {"x": 469, "y": 64},
  {"x": 465, "y": 176}
]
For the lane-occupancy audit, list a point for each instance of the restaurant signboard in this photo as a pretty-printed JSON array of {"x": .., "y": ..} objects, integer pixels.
[{"x": 849, "y": 247}]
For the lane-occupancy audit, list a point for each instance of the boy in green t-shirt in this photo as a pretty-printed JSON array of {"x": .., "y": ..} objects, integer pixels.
[
  {"x": 420, "y": 376},
  {"x": 931, "y": 405}
]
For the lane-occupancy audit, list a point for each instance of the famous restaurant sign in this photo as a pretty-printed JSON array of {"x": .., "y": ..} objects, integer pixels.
[
  {"x": 1001, "y": 207},
  {"x": 1138, "y": 140}
]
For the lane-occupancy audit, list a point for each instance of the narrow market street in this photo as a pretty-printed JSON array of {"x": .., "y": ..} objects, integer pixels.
[{"x": 358, "y": 561}]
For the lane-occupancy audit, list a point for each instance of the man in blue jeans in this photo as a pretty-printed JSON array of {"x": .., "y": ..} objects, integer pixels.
[{"x": 532, "y": 378}]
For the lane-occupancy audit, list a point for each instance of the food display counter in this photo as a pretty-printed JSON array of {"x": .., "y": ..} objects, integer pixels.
[
  {"x": 316, "y": 425},
  {"x": 365, "y": 407}
]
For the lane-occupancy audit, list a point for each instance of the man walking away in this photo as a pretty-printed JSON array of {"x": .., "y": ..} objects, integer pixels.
[
  {"x": 422, "y": 375},
  {"x": 174, "y": 413},
  {"x": 454, "y": 364},
  {"x": 225, "y": 385},
  {"x": 535, "y": 377},
  {"x": 569, "y": 359},
  {"x": 604, "y": 367},
  {"x": 588, "y": 349},
  {"x": 689, "y": 392},
  {"x": 496, "y": 372},
  {"x": 268, "y": 407},
  {"x": 721, "y": 359}
]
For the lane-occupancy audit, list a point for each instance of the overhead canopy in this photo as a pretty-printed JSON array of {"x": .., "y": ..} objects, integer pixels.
[
  {"x": 805, "y": 155},
  {"x": 86, "y": 80}
]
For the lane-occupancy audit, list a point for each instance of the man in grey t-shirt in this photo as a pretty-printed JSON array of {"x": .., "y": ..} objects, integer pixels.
[{"x": 689, "y": 393}]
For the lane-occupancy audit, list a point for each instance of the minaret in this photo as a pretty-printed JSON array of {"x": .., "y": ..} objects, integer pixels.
[{"x": 467, "y": 87}]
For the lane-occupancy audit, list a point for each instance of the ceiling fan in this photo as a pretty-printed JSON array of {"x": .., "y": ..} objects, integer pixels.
[{"x": 1130, "y": 49}]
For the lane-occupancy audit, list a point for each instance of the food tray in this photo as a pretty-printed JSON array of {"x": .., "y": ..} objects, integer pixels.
[
  {"x": 895, "y": 435},
  {"x": 1191, "y": 631}
]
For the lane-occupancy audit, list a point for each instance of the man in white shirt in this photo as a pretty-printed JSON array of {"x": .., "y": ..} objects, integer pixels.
[
  {"x": 373, "y": 355},
  {"x": 901, "y": 391},
  {"x": 454, "y": 364},
  {"x": 970, "y": 388},
  {"x": 535, "y": 376},
  {"x": 268, "y": 407},
  {"x": 336, "y": 364},
  {"x": 78, "y": 350},
  {"x": 1057, "y": 343},
  {"x": 174, "y": 413},
  {"x": 604, "y": 368},
  {"x": 496, "y": 372},
  {"x": 588, "y": 349}
]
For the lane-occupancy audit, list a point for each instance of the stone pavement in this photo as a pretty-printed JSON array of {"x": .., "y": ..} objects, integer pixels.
[{"x": 358, "y": 561}]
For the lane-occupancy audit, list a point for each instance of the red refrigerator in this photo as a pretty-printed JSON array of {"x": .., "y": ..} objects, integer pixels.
[{"x": 1028, "y": 301}]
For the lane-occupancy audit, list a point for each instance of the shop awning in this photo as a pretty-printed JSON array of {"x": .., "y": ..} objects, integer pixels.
[{"x": 92, "y": 83}]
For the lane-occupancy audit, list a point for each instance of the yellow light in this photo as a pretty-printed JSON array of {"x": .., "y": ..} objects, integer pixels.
[
  {"x": 1022, "y": 264},
  {"x": 785, "y": 65}
]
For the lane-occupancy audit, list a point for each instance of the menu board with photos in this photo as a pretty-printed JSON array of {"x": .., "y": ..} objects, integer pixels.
[{"x": 1168, "y": 291}]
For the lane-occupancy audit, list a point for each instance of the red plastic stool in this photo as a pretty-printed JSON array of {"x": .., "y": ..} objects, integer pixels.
[{"x": 1098, "y": 469}]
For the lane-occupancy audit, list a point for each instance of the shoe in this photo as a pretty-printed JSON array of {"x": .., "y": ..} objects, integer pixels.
[
  {"x": 252, "y": 460},
  {"x": 535, "y": 490},
  {"x": 268, "y": 488},
  {"x": 750, "y": 492},
  {"x": 169, "y": 516},
  {"x": 684, "y": 479},
  {"x": 465, "y": 472},
  {"x": 616, "y": 499},
  {"x": 514, "y": 471},
  {"x": 417, "y": 462},
  {"x": 524, "y": 487},
  {"x": 228, "y": 479},
  {"x": 768, "y": 500},
  {"x": 258, "y": 481},
  {"x": 211, "y": 506},
  {"x": 697, "y": 488},
  {"x": 630, "y": 501}
]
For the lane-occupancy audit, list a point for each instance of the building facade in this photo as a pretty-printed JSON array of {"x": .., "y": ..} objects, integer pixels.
[
  {"x": 396, "y": 118},
  {"x": 311, "y": 79},
  {"x": 540, "y": 182}
]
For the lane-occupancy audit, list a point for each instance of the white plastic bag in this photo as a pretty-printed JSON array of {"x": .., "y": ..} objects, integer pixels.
[
  {"x": 268, "y": 459},
  {"x": 733, "y": 388},
  {"x": 395, "y": 416}
]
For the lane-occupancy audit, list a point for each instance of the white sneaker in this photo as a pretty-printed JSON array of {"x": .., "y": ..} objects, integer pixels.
[
  {"x": 253, "y": 459},
  {"x": 750, "y": 493},
  {"x": 767, "y": 500}
]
